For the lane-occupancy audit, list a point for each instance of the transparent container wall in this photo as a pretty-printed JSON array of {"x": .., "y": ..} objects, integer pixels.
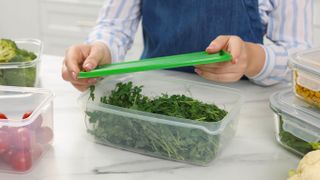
[
  {"x": 163, "y": 136},
  {"x": 23, "y": 73},
  {"x": 295, "y": 136},
  {"x": 27, "y": 132},
  {"x": 307, "y": 87}
]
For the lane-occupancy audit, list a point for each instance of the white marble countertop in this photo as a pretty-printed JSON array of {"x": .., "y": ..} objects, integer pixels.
[{"x": 253, "y": 154}]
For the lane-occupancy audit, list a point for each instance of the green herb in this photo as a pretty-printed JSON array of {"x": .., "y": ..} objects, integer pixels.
[
  {"x": 154, "y": 138},
  {"x": 22, "y": 76},
  {"x": 296, "y": 143}
]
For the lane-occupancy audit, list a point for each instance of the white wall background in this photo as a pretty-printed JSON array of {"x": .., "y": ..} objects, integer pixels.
[{"x": 60, "y": 23}]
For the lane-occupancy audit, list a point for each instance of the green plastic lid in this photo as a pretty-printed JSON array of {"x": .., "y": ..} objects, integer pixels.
[{"x": 190, "y": 59}]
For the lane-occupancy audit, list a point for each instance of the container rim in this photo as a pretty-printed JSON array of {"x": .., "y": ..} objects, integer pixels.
[
  {"x": 146, "y": 116},
  {"x": 297, "y": 60},
  {"x": 12, "y": 65},
  {"x": 301, "y": 113},
  {"x": 49, "y": 95}
]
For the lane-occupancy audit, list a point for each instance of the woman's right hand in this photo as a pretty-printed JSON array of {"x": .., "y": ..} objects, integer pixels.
[{"x": 84, "y": 57}]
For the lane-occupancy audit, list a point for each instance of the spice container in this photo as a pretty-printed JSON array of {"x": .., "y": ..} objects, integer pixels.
[
  {"x": 306, "y": 75},
  {"x": 26, "y": 117},
  {"x": 297, "y": 122},
  {"x": 162, "y": 136},
  {"x": 22, "y": 68}
]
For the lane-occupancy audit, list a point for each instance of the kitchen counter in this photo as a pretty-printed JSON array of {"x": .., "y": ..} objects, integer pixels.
[{"x": 253, "y": 154}]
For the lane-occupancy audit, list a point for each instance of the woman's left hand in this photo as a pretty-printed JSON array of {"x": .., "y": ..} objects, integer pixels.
[{"x": 247, "y": 59}]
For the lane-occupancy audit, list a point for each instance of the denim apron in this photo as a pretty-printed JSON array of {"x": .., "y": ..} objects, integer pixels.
[{"x": 181, "y": 26}]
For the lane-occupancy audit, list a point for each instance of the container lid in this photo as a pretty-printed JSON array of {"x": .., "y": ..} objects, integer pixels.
[
  {"x": 307, "y": 60},
  {"x": 15, "y": 101},
  {"x": 302, "y": 119},
  {"x": 181, "y": 60}
]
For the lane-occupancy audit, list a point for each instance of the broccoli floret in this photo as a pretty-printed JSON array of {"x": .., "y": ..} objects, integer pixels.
[
  {"x": 20, "y": 77},
  {"x": 23, "y": 56},
  {"x": 2, "y": 80},
  {"x": 8, "y": 50}
]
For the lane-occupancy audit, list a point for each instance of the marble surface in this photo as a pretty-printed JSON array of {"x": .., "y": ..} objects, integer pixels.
[{"x": 253, "y": 154}]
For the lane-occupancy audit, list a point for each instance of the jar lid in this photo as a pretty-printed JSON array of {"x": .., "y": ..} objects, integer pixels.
[
  {"x": 308, "y": 60},
  {"x": 302, "y": 119}
]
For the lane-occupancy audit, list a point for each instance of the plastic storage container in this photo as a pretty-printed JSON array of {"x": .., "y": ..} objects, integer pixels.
[
  {"x": 306, "y": 75},
  {"x": 177, "y": 139},
  {"x": 297, "y": 123},
  {"x": 26, "y": 117},
  {"x": 22, "y": 73}
]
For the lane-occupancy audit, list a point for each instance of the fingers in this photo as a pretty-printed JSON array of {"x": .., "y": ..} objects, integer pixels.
[
  {"x": 235, "y": 47},
  {"x": 218, "y": 44},
  {"x": 96, "y": 56},
  {"x": 72, "y": 63},
  {"x": 224, "y": 77},
  {"x": 74, "y": 58},
  {"x": 69, "y": 76},
  {"x": 232, "y": 44}
]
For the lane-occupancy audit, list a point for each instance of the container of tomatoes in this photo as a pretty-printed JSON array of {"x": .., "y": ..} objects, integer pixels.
[{"x": 26, "y": 127}]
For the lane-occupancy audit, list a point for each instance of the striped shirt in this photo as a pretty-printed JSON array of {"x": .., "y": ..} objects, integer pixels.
[{"x": 288, "y": 25}]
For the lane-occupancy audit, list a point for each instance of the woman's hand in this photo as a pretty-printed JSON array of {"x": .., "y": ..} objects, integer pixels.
[
  {"x": 247, "y": 59},
  {"x": 84, "y": 57}
]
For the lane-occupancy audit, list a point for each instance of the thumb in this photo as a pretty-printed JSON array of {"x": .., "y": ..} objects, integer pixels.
[{"x": 93, "y": 59}]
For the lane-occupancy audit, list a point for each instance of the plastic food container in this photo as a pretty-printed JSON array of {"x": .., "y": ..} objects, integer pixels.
[
  {"x": 306, "y": 75},
  {"x": 297, "y": 123},
  {"x": 26, "y": 129},
  {"x": 176, "y": 139},
  {"x": 23, "y": 73}
]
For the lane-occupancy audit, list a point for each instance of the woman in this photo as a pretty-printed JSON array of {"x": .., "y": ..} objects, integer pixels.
[{"x": 182, "y": 26}]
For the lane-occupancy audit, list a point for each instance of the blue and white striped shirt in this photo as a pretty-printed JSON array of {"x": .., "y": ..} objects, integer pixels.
[{"x": 288, "y": 30}]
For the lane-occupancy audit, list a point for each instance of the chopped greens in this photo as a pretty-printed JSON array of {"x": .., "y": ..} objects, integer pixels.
[{"x": 167, "y": 140}]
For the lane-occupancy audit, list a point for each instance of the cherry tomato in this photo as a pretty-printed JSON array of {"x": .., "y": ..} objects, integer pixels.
[
  {"x": 21, "y": 160},
  {"x": 26, "y": 115},
  {"x": 36, "y": 124},
  {"x": 7, "y": 155},
  {"x": 3, "y": 116},
  {"x": 23, "y": 138},
  {"x": 44, "y": 135},
  {"x": 4, "y": 141}
]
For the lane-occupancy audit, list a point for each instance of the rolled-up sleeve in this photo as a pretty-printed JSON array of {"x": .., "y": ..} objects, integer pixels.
[
  {"x": 116, "y": 26},
  {"x": 289, "y": 29}
]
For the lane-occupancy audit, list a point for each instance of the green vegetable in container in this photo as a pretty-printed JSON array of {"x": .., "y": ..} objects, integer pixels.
[
  {"x": 8, "y": 50},
  {"x": 22, "y": 76},
  {"x": 296, "y": 143},
  {"x": 154, "y": 138}
]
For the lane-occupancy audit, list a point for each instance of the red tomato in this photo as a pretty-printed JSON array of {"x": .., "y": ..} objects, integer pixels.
[
  {"x": 7, "y": 155},
  {"x": 4, "y": 141},
  {"x": 3, "y": 116},
  {"x": 23, "y": 138},
  {"x": 36, "y": 124},
  {"x": 44, "y": 135},
  {"x": 21, "y": 160},
  {"x": 26, "y": 115}
]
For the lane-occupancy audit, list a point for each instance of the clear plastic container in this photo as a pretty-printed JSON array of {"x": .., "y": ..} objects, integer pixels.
[
  {"x": 23, "y": 73},
  {"x": 177, "y": 139},
  {"x": 297, "y": 122},
  {"x": 26, "y": 127},
  {"x": 306, "y": 75}
]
